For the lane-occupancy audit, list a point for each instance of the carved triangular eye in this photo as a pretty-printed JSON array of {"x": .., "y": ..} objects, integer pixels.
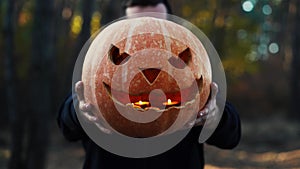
[
  {"x": 183, "y": 59},
  {"x": 116, "y": 57},
  {"x": 186, "y": 55}
]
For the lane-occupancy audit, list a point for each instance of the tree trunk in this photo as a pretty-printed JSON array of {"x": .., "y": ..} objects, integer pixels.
[
  {"x": 111, "y": 11},
  {"x": 295, "y": 64},
  {"x": 16, "y": 121},
  {"x": 218, "y": 31},
  {"x": 41, "y": 83},
  {"x": 8, "y": 33},
  {"x": 87, "y": 12}
]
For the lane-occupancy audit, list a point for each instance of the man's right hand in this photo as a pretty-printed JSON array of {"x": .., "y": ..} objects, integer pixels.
[{"x": 87, "y": 109}]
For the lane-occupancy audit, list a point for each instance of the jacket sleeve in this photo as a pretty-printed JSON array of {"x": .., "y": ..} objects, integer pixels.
[
  {"x": 228, "y": 133},
  {"x": 67, "y": 119}
]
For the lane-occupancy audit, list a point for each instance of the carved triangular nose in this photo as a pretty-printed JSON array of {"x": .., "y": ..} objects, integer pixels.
[{"x": 151, "y": 74}]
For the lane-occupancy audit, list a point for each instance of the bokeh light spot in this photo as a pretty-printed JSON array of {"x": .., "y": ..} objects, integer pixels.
[
  {"x": 267, "y": 10},
  {"x": 273, "y": 48},
  {"x": 95, "y": 22},
  {"x": 247, "y": 6},
  {"x": 24, "y": 18},
  {"x": 66, "y": 13},
  {"x": 242, "y": 34},
  {"x": 262, "y": 49},
  {"x": 76, "y": 25}
]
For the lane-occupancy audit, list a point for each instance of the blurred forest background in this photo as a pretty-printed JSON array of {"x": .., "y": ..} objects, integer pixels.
[{"x": 258, "y": 42}]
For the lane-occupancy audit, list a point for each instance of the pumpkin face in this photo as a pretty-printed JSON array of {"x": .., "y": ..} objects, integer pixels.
[{"x": 146, "y": 76}]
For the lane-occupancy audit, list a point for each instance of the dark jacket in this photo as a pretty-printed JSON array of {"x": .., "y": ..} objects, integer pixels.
[{"x": 188, "y": 154}]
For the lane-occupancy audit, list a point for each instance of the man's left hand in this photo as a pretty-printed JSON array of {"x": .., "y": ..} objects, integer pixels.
[{"x": 209, "y": 113}]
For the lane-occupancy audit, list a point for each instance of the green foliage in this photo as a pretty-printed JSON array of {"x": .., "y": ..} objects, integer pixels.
[
  {"x": 241, "y": 38},
  {"x": 229, "y": 29}
]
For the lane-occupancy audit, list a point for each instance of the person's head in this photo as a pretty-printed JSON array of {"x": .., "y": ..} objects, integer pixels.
[{"x": 139, "y": 6}]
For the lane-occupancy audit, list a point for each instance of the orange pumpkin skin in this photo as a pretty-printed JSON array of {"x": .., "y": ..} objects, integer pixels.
[{"x": 144, "y": 44}]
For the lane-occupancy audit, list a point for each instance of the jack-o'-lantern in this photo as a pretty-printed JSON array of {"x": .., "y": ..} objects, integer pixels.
[{"x": 146, "y": 76}]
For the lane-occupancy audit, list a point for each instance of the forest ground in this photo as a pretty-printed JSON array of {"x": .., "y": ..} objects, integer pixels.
[{"x": 272, "y": 142}]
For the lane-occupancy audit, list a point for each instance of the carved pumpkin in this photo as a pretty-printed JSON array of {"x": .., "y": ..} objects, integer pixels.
[{"x": 146, "y": 76}]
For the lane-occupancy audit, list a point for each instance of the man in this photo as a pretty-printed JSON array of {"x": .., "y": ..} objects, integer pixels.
[
  {"x": 188, "y": 154},
  {"x": 138, "y": 6}
]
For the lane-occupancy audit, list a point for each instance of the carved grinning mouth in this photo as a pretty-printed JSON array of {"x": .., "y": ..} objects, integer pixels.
[
  {"x": 159, "y": 101},
  {"x": 177, "y": 99}
]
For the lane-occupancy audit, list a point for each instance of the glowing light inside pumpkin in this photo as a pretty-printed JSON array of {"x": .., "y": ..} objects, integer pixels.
[
  {"x": 141, "y": 104},
  {"x": 145, "y": 104},
  {"x": 170, "y": 103}
]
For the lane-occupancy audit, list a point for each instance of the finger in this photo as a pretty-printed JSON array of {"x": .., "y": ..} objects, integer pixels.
[
  {"x": 103, "y": 129},
  {"x": 203, "y": 112},
  {"x": 86, "y": 110},
  {"x": 214, "y": 90},
  {"x": 79, "y": 89},
  {"x": 200, "y": 121},
  {"x": 89, "y": 117},
  {"x": 85, "y": 107},
  {"x": 188, "y": 125}
]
